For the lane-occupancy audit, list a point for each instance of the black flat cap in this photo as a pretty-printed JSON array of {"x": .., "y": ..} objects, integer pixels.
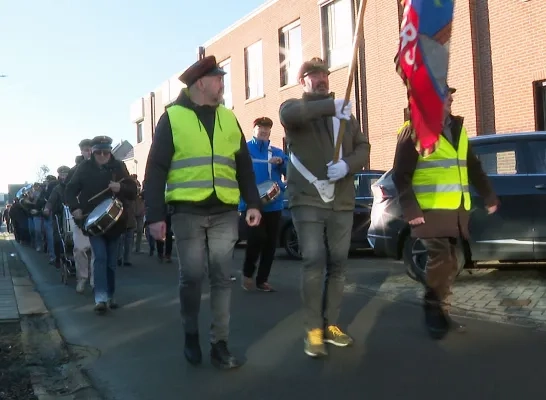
[
  {"x": 101, "y": 143},
  {"x": 63, "y": 169},
  {"x": 313, "y": 65},
  {"x": 85, "y": 143},
  {"x": 263, "y": 121},
  {"x": 205, "y": 67}
]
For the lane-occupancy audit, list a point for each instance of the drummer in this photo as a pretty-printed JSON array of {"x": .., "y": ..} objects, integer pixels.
[
  {"x": 104, "y": 175},
  {"x": 269, "y": 164}
]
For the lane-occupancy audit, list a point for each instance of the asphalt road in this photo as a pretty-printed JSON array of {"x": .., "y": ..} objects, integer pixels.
[{"x": 136, "y": 351}]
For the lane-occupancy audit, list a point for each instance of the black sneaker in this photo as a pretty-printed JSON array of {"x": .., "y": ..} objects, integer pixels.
[
  {"x": 192, "y": 349},
  {"x": 221, "y": 358},
  {"x": 101, "y": 307}
]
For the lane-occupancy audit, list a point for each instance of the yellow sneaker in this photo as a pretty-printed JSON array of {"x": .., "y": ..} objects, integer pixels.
[
  {"x": 335, "y": 336},
  {"x": 314, "y": 344}
]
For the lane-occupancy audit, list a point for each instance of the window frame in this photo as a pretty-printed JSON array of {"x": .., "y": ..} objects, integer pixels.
[
  {"x": 283, "y": 69},
  {"x": 248, "y": 95},
  {"x": 222, "y": 64},
  {"x": 325, "y": 32}
]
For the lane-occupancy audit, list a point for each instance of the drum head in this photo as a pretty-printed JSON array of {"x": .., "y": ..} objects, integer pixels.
[
  {"x": 98, "y": 212},
  {"x": 264, "y": 187}
]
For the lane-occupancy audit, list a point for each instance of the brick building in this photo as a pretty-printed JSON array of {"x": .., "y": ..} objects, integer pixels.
[{"x": 498, "y": 65}]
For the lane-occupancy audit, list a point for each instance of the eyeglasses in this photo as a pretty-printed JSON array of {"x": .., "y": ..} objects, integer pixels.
[{"x": 102, "y": 152}]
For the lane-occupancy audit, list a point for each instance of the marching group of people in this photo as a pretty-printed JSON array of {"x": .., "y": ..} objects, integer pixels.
[{"x": 202, "y": 175}]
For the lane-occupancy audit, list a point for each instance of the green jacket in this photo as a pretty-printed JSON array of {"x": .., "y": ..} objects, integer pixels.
[{"x": 309, "y": 135}]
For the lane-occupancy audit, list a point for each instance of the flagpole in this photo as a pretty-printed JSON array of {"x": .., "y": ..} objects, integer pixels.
[{"x": 359, "y": 34}]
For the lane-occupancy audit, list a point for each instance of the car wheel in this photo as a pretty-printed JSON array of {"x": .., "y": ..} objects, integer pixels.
[
  {"x": 415, "y": 259},
  {"x": 290, "y": 242}
]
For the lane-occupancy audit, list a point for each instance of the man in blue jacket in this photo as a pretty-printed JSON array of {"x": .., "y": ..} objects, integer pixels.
[{"x": 269, "y": 165}]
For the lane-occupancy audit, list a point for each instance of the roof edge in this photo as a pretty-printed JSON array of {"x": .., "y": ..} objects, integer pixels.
[{"x": 240, "y": 22}]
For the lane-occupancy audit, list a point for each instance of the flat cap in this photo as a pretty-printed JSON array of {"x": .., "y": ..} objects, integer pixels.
[
  {"x": 313, "y": 65},
  {"x": 101, "y": 143},
  {"x": 85, "y": 143},
  {"x": 205, "y": 67},
  {"x": 263, "y": 121},
  {"x": 63, "y": 169}
]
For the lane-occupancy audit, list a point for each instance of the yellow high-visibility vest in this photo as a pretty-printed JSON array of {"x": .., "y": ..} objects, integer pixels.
[
  {"x": 197, "y": 168},
  {"x": 440, "y": 179}
]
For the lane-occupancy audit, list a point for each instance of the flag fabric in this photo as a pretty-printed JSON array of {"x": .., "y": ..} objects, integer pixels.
[{"x": 422, "y": 63}]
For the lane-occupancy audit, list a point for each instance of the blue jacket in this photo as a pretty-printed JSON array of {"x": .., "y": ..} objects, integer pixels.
[{"x": 258, "y": 150}]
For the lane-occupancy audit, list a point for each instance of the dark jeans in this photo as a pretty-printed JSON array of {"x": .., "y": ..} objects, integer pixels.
[
  {"x": 204, "y": 244},
  {"x": 166, "y": 248},
  {"x": 262, "y": 243},
  {"x": 105, "y": 250},
  {"x": 322, "y": 293}
]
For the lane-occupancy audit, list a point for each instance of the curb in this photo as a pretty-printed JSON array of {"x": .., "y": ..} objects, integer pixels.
[{"x": 44, "y": 343}]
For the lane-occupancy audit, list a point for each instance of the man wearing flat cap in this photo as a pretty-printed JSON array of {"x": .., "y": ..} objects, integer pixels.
[
  {"x": 321, "y": 195},
  {"x": 269, "y": 164},
  {"x": 84, "y": 266},
  {"x": 84, "y": 192},
  {"x": 439, "y": 217},
  {"x": 54, "y": 210},
  {"x": 199, "y": 155}
]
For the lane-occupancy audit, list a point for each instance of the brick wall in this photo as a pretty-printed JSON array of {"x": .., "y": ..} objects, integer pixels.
[
  {"x": 497, "y": 52},
  {"x": 518, "y": 54}
]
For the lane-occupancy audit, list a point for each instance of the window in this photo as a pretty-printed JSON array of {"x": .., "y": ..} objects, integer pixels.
[
  {"x": 228, "y": 96},
  {"x": 540, "y": 105},
  {"x": 537, "y": 156},
  {"x": 363, "y": 184},
  {"x": 139, "y": 131},
  {"x": 337, "y": 36},
  {"x": 254, "y": 71},
  {"x": 290, "y": 53},
  {"x": 499, "y": 159}
]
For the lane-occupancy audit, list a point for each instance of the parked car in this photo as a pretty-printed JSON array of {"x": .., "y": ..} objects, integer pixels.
[
  {"x": 288, "y": 238},
  {"x": 516, "y": 166}
]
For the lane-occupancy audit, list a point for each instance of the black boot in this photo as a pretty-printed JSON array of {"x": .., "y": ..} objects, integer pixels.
[
  {"x": 221, "y": 357},
  {"x": 192, "y": 350},
  {"x": 435, "y": 319}
]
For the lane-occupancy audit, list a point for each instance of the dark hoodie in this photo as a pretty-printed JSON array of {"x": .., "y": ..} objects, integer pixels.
[{"x": 159, "y": 162}]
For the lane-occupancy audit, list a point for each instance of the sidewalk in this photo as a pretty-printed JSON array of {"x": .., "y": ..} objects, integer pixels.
[{"x": 8, "y": 304}]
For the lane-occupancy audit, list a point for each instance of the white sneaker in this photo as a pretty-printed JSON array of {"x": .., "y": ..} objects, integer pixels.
[{"x": 80, "y": 287}]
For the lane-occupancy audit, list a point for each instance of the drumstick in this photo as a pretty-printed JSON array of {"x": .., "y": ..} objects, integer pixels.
[{"x": 103, "y": 191}]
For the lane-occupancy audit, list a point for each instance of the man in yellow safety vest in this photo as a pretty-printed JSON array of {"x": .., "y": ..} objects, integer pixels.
[
  {"x": 435, "y": 200},
  {"x": 199, "y": 155}
]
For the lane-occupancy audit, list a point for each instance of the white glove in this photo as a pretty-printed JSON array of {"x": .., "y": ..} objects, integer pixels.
[
  {"x": 346, "y": 112},
  {"x": 337, "y": 171}
]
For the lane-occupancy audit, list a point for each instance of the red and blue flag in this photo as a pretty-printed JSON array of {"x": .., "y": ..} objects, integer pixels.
[{"x": 422, "y": 62}]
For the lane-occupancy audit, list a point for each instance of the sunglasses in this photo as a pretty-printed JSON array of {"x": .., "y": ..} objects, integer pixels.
[{"x": 102, "y": 152}]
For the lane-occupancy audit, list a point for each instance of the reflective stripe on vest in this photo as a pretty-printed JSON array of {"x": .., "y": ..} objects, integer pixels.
[
  {"x": 440, "y": 180},
  {"x": 197, "y": 168}
]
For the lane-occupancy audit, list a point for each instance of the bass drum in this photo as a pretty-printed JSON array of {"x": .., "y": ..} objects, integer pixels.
[{"x": 415, "y": 256}]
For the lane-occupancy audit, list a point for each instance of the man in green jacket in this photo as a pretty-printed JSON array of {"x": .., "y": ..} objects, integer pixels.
[{"x": 321, "y": 196}]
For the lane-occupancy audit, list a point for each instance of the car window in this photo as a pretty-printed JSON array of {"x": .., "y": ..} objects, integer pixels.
[
  {"x": 363, "y": 184},
  {"x": 537, "y": 157},
  {"x": 500, "y": 158}
]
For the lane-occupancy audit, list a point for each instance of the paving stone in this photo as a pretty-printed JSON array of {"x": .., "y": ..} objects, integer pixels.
[{"x": 483, "y": 291}]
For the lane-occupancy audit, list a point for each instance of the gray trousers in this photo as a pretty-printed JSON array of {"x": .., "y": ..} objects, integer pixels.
[
  {"x": 323, "y": 274},
  {"x": 204, "y": 244}
]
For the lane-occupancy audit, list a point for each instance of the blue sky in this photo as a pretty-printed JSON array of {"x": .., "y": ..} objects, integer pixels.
[{"x": 75, "y": 66}]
